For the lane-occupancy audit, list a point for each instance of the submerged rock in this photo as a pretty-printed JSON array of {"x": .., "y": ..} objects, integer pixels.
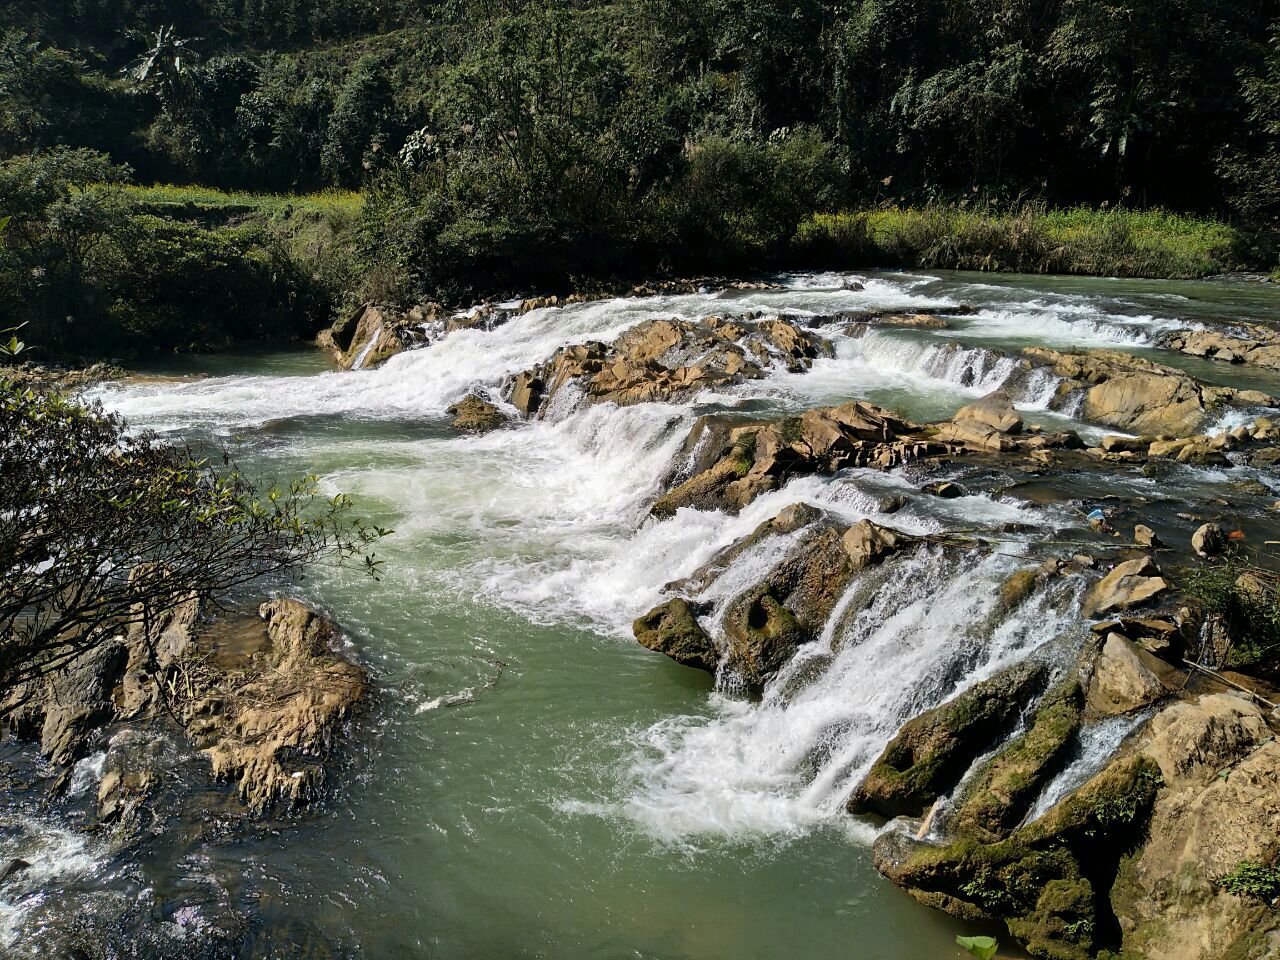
[{"x": 932, "y": 751}]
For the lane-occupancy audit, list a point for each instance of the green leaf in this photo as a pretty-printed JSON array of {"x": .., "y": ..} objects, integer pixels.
[{"x": 984, "y": 948}]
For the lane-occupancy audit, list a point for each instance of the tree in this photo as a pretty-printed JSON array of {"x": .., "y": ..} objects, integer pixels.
[
  {"x": 62, "y": 204},
  {"x": 101, "y": 529},
  {"x": 165, "y": 65}
]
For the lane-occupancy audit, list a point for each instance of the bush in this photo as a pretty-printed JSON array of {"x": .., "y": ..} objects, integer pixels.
[{"x": 1246, "y": 600}]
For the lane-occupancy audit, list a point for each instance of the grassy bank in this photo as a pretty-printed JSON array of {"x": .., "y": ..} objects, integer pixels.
[{"x": 1033, "y": 239}]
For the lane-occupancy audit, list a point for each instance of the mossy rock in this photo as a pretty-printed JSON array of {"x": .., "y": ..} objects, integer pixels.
[
  {"x": 930, "y": 753},
  {"x": 1003, "y": 791},
  {"x": 1046, "y": 880},
  {"x": 672, "y": 628},
  {"x": 763, "y": 634},
  {"x": 1016, "y": 589}
]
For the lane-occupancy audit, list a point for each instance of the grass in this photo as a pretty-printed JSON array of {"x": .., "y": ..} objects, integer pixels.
[
  {"x": 204, "y": 203},
  {"x": 1028, "y": 239}
]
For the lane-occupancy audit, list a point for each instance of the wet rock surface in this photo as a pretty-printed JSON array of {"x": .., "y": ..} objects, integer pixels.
[{"x": 931, "y": 751}]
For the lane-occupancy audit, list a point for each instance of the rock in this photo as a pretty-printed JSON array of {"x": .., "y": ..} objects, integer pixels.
[
  {"x": 1017, "y": 588},
  {"x": 1120, "y": 444},
  {"x": 14, "y": 867},
  {"x": 1220, "y": 763},
  {"x": 271, "y": 725},
  {"x": 995, "y": 410},
  {"x": 77, "y": 700},
  {"x": 1137, "y": 395},
  {"x": 944, "y": 489},
  {"x": 672, "y": 629},
  {"x": 1144, "y": 536},
  {"x": 1002, "y": 791},
  {"x": 1208, "y": 540},
  {"x": 931, "y": 752},
  {"x": 372, "y": 334},
  {"x": 475, "y": 415},
  {"x": 1129, "y": 584},
  {"x": 1127, "y": 678},
  {"x": 668, "y": 360},
  {"x": 867, "y": 543},
  {"x": 1045, "y": 880}
]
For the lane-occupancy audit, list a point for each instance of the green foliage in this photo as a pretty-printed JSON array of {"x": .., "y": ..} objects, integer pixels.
[
  {"x": 1251, "y": 879},
  {"x": 131, "y": 527},
  {"x": 1029, "y": 239},
  {"x": 94, "y": 265},
  {"x": 984, "y": 948},
  {"x": 1245, "y": 598}
]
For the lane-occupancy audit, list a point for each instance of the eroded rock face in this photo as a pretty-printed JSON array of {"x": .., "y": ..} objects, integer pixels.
[
  {"x": 1001, "y": 793},
  {"x": 764, "y": 625},
  {"x": 932, "y": 751},
  {"x": 1220, "y": 762},
  {"x": 1138, "y": 395},
  {"x": 667, "y": 360},
  {"x": 270, "y": 726}
]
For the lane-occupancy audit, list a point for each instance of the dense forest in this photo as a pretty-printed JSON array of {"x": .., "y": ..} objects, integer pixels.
[{"x": 500, "y": 145}]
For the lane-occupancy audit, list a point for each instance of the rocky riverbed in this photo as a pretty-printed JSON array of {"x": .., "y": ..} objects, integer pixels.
[{"x": 925, "y": 542}]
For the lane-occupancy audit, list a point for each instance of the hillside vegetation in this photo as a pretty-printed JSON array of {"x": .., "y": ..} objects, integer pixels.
[{"x": 473, "y": 148}]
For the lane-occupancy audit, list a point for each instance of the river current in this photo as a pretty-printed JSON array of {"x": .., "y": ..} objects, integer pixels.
[{"x": 532, "y": 782}]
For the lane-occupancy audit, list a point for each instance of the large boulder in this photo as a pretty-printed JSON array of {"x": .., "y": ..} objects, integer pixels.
[
  {"x": 1135, "y": 394},
  {"x": 1220, "y": 763},
  {"x": 474, "y": 414},
  {"x": 931, "y": 752},
  {"x": 989, "y": 423},
  {"x": 1127, "y": 678},
  {"x": 672, "y": 628},
  {"x": 1129, "y": 584}
]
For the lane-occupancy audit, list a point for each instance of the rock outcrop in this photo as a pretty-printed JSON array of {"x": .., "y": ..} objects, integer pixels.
[
  {"x": 1048, "y": 882},
  {"x": 1002, "y": 791},
  {"x": 1139, "y": 395},
  {"x": 667, "y": 360},
  {"x": 932, "y": 751},
  {"x": 270, "y": 725},
  {"x": 372, "y": 334},
  {"x": 473, "y": 414},
  {"x": 762, "y": 627},
  {"x": 1249, "y": 343},
  {"x": 1219, "y": 806},
  {"x": 672, "y": 628}
]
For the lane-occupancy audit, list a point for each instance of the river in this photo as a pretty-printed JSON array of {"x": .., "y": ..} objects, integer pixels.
[{"x": 533, "y": 783}]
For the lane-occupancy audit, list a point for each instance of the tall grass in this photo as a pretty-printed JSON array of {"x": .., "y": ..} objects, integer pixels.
[
  {"x": 1027, "y": 239},
  {"x": 195, "y": 202}
]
